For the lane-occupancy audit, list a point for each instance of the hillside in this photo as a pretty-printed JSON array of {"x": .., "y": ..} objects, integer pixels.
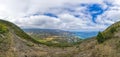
[
  {"x": 106, "y": 44},
  {"x": 16, "y": 43},
  {"x": 13, "y": 41}
]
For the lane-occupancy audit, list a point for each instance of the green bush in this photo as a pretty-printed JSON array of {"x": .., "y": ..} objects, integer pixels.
[
  {"x": 3, "y": 28},
  {"x": 100, "y": 38},
  {"x": 113, "y": 29}
]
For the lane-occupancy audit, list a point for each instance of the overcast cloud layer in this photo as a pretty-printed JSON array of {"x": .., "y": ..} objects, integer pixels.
[{"x": 77, "y": 15}]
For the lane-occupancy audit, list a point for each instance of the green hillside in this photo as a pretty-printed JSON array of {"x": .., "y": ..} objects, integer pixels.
[
  {"x": 14, "y": 28},
  {"x": 109, "y": 32}
]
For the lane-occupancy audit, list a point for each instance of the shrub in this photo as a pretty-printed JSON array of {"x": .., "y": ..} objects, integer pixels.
[
  {"x": 113, "y": 29},
  {"x": 100, "y": 38},
  {"x": 3, "y": 29}
]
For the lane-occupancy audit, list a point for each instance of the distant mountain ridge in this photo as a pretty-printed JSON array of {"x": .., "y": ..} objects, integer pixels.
[{"x": 49, "y": 31}]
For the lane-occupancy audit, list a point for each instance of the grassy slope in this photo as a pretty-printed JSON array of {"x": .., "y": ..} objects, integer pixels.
[
  {"x": 110, "y": 31},
  {"x": 109, "y": 48},
  {"x": 88, "y": 48},
  {"x": 16, "y": 29}
]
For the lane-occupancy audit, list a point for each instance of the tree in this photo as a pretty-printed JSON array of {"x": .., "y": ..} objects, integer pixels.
[{"x": 100, "y": 38}]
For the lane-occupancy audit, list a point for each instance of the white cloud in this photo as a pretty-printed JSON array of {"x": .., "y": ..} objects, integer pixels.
[
  {"x": 16, "y": 10},
  {"x": 38, "y": 22}
]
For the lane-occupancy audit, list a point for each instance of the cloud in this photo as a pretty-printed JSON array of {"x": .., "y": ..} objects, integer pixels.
[
  {"x": 38, "y": 22},
  {"x": 80, "y": 15}
]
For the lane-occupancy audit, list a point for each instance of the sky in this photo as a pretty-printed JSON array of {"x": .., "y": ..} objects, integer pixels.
[{"x": 72, "y": 15}]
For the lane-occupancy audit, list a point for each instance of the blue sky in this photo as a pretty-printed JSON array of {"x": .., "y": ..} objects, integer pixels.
[{"x": 73, "y": 15}]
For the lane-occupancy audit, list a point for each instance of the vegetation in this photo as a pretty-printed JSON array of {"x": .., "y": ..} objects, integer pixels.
[
  {"x": 17, "y": 30},
  {"x": 100, "y": 38},
  {"x": 3, "y": 29},
  {"x": 108, "y": 33},
  {"x": 113, "y": 29},
  {"x": 56, "y": 43}
]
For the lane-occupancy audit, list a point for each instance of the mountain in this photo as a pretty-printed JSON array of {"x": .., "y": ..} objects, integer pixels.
[
  {"x": 49, "y": 32},
  {"x": 16, "y": 43}
]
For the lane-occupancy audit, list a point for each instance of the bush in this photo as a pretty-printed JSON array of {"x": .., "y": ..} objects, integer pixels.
[
  {"x": 100, "y": 38},
  {"x": 113, "y": 29},
  {"x": 3, "y": 29}
]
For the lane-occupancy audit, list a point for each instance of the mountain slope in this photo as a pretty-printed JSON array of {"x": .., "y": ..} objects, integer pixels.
[
  {"x": 15, "y": 43},
  {"x": 16, "y": 30},
  {"x": 112, "y": 30},
  {"x": 109, "y": 47}
]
